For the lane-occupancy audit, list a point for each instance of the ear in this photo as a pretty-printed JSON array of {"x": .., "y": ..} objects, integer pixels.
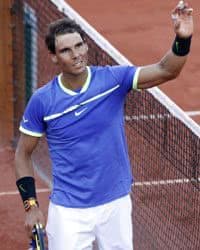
[{"x": 54, "y": 58}]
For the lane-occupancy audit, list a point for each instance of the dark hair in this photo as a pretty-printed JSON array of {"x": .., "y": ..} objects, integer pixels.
[{"x": 61, "y": 27}]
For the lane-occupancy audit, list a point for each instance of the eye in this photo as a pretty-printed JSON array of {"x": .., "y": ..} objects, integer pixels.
[
  {"x": 79, "y": 45},
  {"x": 64, "y": 50}
]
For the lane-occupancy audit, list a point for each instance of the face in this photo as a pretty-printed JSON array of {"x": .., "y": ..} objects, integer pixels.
[{"x": 71, "y": 53}]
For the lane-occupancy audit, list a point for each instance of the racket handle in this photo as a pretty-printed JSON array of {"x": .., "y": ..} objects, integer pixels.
[
  {"x": 32, "y": 245},
  {"x": 38, "y": 240}
]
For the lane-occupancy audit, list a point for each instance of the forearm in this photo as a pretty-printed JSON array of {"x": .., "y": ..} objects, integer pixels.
[
  {"x": 23, "y": 153},
  {"x": 23, "y": 164},
  {"x": 25, "y": 180},
  {"x": 26, "y": 186},
  {"x": 171, "y": 65},
  {"x": 173, "y": 62},
  {"x": 166, "y": 69}
]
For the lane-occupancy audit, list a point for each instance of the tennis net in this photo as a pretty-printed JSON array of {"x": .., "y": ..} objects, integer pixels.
[{"x": 164, "y": 144}]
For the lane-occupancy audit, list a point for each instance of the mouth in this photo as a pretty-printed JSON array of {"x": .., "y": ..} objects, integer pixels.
[{"x": 78, "y": 64}]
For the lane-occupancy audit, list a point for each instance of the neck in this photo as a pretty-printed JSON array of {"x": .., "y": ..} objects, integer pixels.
[{"x": 74, "y": 82}]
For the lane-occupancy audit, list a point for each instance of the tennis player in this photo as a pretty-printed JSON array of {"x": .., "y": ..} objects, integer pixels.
[{"x": 81, "y": 112}]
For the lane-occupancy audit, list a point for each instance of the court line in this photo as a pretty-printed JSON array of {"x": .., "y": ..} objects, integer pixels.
[
  {"x": 157, "y": 116},
  {"x": 165, "y": 182},
  {"x": 40, "y": 190},
  {"x": 137, "y": 184},
  {"x": 192, "y": 113}
]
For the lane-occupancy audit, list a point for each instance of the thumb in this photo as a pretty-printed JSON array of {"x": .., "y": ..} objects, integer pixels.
[{"x": 177, "y": 24}]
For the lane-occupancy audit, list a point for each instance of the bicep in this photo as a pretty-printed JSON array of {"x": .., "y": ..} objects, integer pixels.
[
  {"x": 27, "y": 143},
  {"x": 152, "y": 75},
  {"x": 167, "y": 69}
]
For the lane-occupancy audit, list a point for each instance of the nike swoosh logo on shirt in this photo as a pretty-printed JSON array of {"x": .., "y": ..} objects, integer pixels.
[
  {"x": 80, "y": 112},
  {"x": 76, "y": 106}
]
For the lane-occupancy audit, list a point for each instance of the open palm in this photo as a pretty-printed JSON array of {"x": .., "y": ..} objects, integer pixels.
[{"x": 183, "y": 20}]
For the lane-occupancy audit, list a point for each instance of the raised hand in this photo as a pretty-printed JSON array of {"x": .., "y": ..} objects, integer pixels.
[{"x": 183, "y": 20}]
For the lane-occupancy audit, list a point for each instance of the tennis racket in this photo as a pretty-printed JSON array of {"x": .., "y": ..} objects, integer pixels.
[{"x": 38, "y": 241}]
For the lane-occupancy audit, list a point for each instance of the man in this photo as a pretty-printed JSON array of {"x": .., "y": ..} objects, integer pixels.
[{"x": 81, "y": 113}]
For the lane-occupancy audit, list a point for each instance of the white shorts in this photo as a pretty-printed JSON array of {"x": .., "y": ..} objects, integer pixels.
[{"x": 110, "y": 225}]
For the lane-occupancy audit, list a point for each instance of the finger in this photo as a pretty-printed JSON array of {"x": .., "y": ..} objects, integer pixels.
[
  {"x": 182, "y": 5},
  {"x": 189, "y": 11},
  {"x": 181, "y": 10},
  {"x": 30, "y": 234},
  {"x": 177, "y": 25},
  {"x": 28, "y": 230},
  {"x": 176, "y": 11}
]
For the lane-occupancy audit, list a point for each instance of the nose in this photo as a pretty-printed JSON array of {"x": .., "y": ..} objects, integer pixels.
[{"x": 75, "y": 53}]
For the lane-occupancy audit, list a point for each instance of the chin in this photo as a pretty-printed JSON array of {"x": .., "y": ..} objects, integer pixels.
[{"x": 79, "y": 71}]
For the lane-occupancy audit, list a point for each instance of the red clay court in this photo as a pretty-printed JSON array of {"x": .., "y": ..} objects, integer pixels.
[{"x": 142, "y": 31}]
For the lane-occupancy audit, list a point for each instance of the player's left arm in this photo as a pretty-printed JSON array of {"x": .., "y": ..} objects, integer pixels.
[{"x": 172, "y": 63}]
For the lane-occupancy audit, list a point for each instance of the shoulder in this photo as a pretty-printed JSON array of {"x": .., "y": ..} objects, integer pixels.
[
  {"x": 46, "y": 88},
  {"x": 106, "y": 71},
  {"x": 45, "y": 92},
  {"x": 112, "y": 68},
  {"x": 118, "y": 73}
]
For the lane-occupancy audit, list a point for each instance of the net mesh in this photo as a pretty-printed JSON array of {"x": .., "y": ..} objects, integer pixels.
[{"x": 164, "y": 152}]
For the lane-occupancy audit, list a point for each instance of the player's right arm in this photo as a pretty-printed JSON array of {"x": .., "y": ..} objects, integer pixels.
[{"x": 25, "y": 179}]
